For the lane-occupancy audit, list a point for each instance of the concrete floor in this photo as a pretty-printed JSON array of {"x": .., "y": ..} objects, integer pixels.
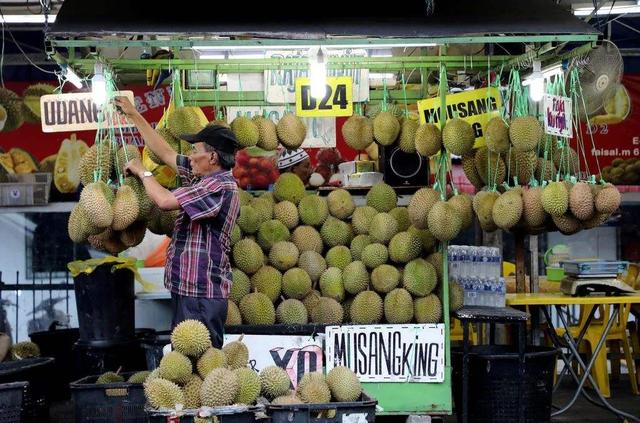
[{"x": 582, "y": 411}]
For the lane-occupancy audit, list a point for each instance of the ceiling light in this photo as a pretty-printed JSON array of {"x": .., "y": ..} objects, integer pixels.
[{"x": 27, "y": 19}]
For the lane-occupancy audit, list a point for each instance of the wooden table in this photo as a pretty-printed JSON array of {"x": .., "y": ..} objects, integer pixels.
[{"x": 558, "y": 300}]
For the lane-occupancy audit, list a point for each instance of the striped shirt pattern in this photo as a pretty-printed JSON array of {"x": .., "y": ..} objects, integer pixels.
[{"x": 198, "y": 256}]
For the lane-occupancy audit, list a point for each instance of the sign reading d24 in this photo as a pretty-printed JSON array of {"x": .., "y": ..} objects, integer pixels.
[{"x": 337, "y": 100}]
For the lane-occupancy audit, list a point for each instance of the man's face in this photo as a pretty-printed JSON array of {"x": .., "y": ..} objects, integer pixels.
[
  {"x": 202, "y": 162},
  {"x": 303, "y": 170}
]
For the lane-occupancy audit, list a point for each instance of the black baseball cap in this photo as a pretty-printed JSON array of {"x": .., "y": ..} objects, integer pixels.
[{"x": 217, "y": 136}]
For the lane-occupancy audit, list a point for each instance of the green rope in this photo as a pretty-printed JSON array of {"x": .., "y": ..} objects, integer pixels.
[{"x": 404, "y": 94}]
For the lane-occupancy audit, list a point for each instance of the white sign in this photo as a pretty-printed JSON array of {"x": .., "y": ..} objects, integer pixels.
[
  {"x": 557, "y": 116},
  {"x": 321, "y": 132},
  {"x": 296, "y": 354},
  {"x": 393, "y": 353},
  {"x": 77, "y": 112},
  {"x": 280, "y": 84}
]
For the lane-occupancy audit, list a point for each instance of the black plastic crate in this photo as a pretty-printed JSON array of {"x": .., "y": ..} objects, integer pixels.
[
  {"x": 277, "y": 329},
  {"x": 38, "y": 372},
  {"x": 109, "y": 402},
  {"x": 229, "y": 414},
  {"x": 13, "y": 402},
  {"x": 317, "y": 413},
  {"x": 153, "y": 345}
]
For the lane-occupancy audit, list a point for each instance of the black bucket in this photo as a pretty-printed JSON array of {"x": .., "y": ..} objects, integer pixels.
[
  {"x": 59, "y": 345},
  {"x": 90, "y": 360},
  {"x": 106, "y": 307},
  {"x": 494, "y": 383},
  {"x": 153, "y": 346}
]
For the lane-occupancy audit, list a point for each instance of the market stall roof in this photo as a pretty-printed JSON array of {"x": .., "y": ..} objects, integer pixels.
[{"x": 456, "y": 21}]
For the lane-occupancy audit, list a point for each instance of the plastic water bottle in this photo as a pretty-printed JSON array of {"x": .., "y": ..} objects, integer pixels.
[
  {"x": 496, "y": 261},
  {"x": 454, "y": 262}
]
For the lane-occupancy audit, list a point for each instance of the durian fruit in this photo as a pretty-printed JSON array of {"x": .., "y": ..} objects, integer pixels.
[
  {"x": 382, "y": 228},
  {"x": 428, "y": 140},
  {"x": 597, "y": 220},
  {"x": 191, "y": 391},
  {"x": 307, "y": 238},
  {"x": 288, "y": 399},
  {"x": 406, "y": 140},
  {"x": 212, "y": 358},
  {"x": 284, "y": 255},
  {"x": 336, "y": 232},
  {"x": 565, "y": 159},
  {"x": 522, "y": 164},
  {"x": 385, "y": 278},
  {"x": 361, "y": 219},
  {"x": 419, "y": 277},
  {"x": 420, "y": 205},
  {"x": 313, "y": 210},
  {"x": 31, "y": 100},
  {"x": 257, "y": 309},
  {"x": 287, "y": 213},
  {"x": 161, "y": 393},
  {"x": 464, "y": 204},
  {"x": 219, "y": 388},
  {"x": 427, "y": 309},
  {"x": 567, "y": 224},
  {"x": 268, "y": 281},
  {"x": 175, "y": 367},
  {"x": 291, "y": 131},
  {"x": 240, "y": 287},
  {"x": 436, "y": 261},
  {"x": 96, "y": 200},
  {"x": 525, "y": 133},
  {"x": 471, "y": 171},
  {"x": 234, "y": 317},
  {"x": 374, "y": 255},
  {"x": 271, "y": 232},
  {"x": 490, "y": 167},
  {"x": 426, "y": 238},
  {"x": 292, "y": 312},
  {"x": 248, "y": 256},
  {"x": 386, "y": 128},
  {"x": 366, "y": 308},
  {"x": 125, "y": 208},
  {"x": 401, "y": 215},
  {"x": 274, "y": 382},
  {"x": 109, "y": 377},
  {"x": 162, "y": 222},
  {"x": 398, "y": 306},
  {"x": 456, "y": 296},
  {"x": 311, "y": 301},
  {"x": 185, "y": 120},
  {"x": 191, "y": 338},
  {"x": 608, "y": 199},
  {"x": 444, "y": 221},
  {"x": 267, "y": 135},
  {"x": 66, "y": 169},
  {"x": 483, "y": 207},
  {"x": 496, "y": 135},
  {"x": 344, "y": 384},
  {"x": 296, "y": 283},
  {"x": 555, "y": 199},
  {"x": 246, "y": 131},
  {"x": 507, "y": 209},
  {"x": 249, "y": 386},
  {"x": 340, "y": 204},
  {"x": 581, "y": 202},
  {"x": 13, "y": 108},
  {"x": 382, "y": 197},
  {"x": 237, "y": 353},
  {"x": 145, "y": 203},
  {"x": 331, "y": 284},
  {"x": 532, "y": 209},
  {"x": 458, "y": 136},
  {"x": 96, "y": 159},
  {"x": 125, "y": 154},
  {"x": 404, "y": 247},
  {"x": 314, "y": 390},
  {"x": 357, "y": 132},
  {"x": 313, "y": 264},
  {"x": 139, "y": 377},
  {"x": 289, "y": 187},
  {"x": 340, "y": 256},
  {"x": 79, "y": 226},
  {"x": 327, "y": 311},
  {"x": 248, "y": 220},
  {"x": 355, "y": 277}
]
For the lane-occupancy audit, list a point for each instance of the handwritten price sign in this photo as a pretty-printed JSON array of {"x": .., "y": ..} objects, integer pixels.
[{"x": 557, "y": 116}]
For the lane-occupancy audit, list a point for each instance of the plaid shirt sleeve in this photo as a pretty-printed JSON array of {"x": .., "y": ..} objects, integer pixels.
[
  {"x": 184, "y": 170},
  {"x": 202, "y": 200}
]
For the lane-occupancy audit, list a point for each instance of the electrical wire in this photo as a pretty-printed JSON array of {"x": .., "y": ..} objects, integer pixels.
[{"x": 19, "y": 48}]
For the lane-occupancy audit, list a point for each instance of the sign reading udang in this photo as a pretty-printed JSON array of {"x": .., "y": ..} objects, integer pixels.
[
  {"x": 337, "y": 100},
  {"x": 557, "y": 116},
  {"x": 476, "y": 107},
  {"x": 77, "y": 112},
  {"x": 393, "y": 353}
]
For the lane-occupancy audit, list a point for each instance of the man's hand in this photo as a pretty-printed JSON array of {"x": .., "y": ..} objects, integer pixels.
[
  {"x": 125, "y": 106},
  {"x": 134, "y": 167}
]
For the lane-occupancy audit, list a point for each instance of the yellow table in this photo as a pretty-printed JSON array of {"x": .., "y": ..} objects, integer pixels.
[{"x": 558, "y": 300}]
